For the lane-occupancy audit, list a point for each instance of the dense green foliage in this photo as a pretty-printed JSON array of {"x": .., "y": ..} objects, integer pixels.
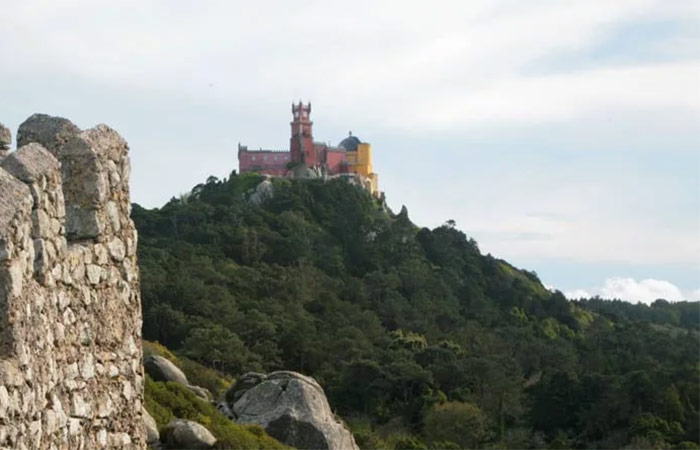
[{"x": 410, "y": 329}]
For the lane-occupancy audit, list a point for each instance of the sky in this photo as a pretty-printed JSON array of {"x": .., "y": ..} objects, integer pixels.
[{"x": 563, "y": 136}]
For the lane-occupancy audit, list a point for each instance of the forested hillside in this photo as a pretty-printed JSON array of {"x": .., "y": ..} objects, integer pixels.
[{"x": 419, "y": 340}]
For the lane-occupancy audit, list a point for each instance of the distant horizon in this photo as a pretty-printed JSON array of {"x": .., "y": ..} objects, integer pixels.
[{"x": 564, "y": 138}]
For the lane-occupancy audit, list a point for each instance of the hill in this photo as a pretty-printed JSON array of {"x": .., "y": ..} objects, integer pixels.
[{"x": 419, "y": 339}]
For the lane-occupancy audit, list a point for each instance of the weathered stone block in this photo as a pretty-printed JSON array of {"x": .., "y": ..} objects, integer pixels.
[
  {"x": 30, "y": 162},
  {"x": 5, "y": 137},
  {"x": 51, "y": 132}
]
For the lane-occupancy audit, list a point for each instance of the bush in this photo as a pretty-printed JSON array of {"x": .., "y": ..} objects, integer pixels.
[
  {"x": 155, "y": 348},
  {"x": 365, "y": 437},
  {"x": 199, "y": 375}
]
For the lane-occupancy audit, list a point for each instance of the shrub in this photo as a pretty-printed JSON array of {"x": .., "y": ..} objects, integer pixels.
[
  {"x": 155, "y": 348},
  {"x": 199, "y": 375}
]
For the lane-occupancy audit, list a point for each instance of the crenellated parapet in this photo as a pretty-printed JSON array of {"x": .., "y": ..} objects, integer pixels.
[{"x": 70, "y": 312}]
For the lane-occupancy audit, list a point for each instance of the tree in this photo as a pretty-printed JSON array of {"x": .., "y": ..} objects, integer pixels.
[{"x": 220, "y": 348}]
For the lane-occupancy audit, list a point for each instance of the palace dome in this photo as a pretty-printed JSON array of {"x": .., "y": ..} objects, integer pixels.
[{"x": 350, "y": 143}]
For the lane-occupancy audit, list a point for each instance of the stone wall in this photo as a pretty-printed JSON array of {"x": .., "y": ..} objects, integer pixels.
[{"x": 70, "y": 311}]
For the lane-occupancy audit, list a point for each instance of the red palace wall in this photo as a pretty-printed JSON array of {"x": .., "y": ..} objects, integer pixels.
[
  {"x": 268, "y": 162},
  {"x": 335, "y": 160}
]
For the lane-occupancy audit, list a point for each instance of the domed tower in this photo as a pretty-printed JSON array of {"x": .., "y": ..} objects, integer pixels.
[
  {"x": 301, "y": 145},
  {"x": 350, "y": 143}
]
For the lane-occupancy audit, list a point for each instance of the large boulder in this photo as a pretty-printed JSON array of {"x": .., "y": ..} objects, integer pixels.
[
  {"x": 291, "y": 407},
  {"x": 152, "y": 434},
  {"x": 185, "y": 434},
  {"x": 160, "y": 369}
]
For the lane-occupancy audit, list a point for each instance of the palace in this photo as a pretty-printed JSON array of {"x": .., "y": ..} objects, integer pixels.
[{"x": 351, "y": 159}]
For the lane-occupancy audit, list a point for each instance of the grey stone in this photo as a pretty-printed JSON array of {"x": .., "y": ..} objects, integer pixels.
[
  {"x": 200, "y": 392},
  {"x": 160, "y": 369},
  {"x": 5, "y": 137},
  {"x": 113, "y": 215},
  {"x": 152, "y": 434},
  {"x": 30, "y": 162},
  {"x": 15, "y": 197},
  {"x": 41, "y": 224},
  {"x": 116, "y": 249},
  {"x": 93, "y": 273},
  {"x": 51, "y": 132},
  {"x": 243, "y": 384},
  {"x": 82, "y": 223},
  {"x": 185, "y": 434},
  {"x": 106, "y": 142},
  {"x": 291, "y": 407},
  {"x": 263, "y": 191}
]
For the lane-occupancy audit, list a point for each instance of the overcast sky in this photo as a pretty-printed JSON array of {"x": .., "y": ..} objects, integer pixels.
[{"x": 564, "y": 136}]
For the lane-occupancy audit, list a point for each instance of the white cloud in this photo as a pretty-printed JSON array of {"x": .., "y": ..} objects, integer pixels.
[
  {"x": 645, "y": 291},
  {"x": 460, "y": 64},
  {"x": 577, "y": 293}
]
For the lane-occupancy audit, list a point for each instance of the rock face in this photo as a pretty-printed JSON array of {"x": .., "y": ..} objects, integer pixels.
[
  {"x": 160, "y": 369},
  {"x": 262, "y": 192},
  {"x": 185, "y": 434},
  {"x": 70, "y": 308},
  {"x": 291, "y": 407}
]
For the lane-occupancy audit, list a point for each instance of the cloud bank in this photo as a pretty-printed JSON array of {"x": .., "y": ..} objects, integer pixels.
[{"x": 642, "y": 291}]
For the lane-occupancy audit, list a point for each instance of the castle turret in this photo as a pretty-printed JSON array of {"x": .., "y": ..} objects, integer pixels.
[{"x": 301, "y": 144}]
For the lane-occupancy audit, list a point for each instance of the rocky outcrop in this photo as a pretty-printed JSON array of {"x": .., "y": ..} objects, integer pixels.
[
  {"x": 185, "y": 434},
  {"x": 291, "y": 407},
  {"x": 161, "y": 369},
  {"x": 262, "y": 192},
  {"x": 70, "y": 307}
]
